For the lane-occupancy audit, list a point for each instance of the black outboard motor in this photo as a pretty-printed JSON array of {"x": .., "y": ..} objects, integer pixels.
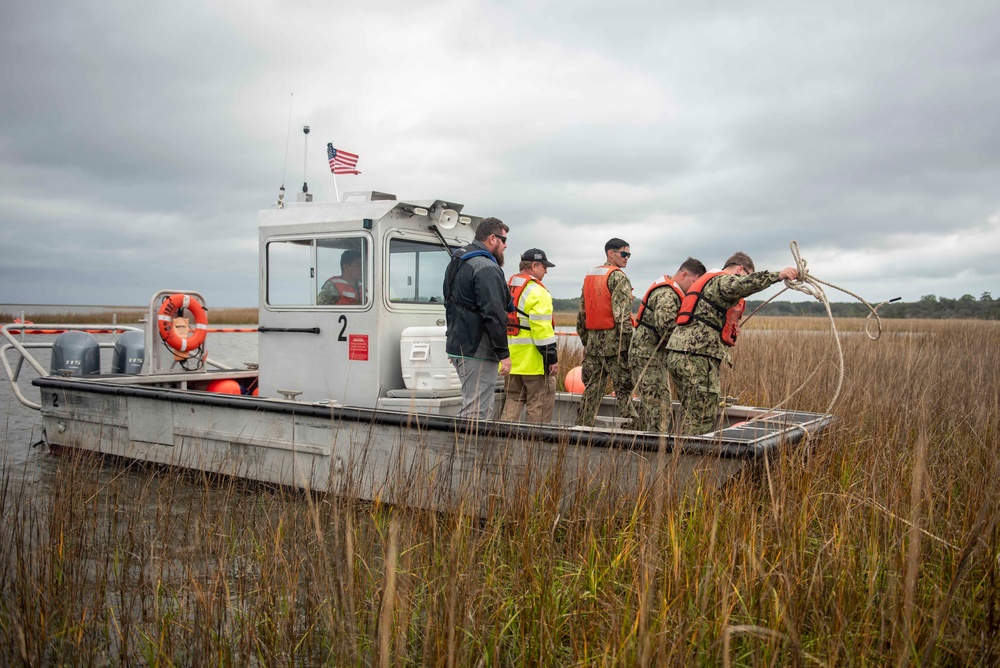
[
  {"x": 130, "y": 353},
  {"x": 75, "y": 353}
]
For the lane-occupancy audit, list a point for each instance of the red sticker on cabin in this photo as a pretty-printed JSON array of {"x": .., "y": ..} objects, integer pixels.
[{"x": 357, "y": 346}]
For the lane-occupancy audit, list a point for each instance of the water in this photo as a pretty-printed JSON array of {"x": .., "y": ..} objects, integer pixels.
[{"x": 21, "y": 426}]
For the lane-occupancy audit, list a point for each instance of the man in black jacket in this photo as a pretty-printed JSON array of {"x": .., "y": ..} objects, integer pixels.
[{"x": 476, "y": 304}]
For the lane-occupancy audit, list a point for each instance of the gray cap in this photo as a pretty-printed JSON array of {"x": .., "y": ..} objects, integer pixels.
[{"x": 536, "y": 255}]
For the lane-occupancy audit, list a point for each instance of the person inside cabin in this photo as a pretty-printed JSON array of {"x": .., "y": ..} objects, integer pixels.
[
  {"x": 707, "y": 323},
  {"x": 348, "y": 288}
]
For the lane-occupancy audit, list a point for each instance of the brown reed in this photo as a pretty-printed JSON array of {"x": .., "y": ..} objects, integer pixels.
[{"x": 875, "y": 543}]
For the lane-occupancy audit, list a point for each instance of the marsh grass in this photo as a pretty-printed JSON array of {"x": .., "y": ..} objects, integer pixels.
[
  {"x": 876, "y": 543},
  {"x": 563, "y": 319}
]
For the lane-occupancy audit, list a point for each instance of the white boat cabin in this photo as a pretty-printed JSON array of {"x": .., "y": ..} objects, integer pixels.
[{"x": 348, "y": 352}]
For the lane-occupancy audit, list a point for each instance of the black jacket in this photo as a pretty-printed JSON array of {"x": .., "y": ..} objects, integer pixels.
[{"x": 476, "y": 303}]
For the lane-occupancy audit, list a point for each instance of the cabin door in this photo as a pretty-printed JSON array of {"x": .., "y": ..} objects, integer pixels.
[{"x": 318, "y": 323}]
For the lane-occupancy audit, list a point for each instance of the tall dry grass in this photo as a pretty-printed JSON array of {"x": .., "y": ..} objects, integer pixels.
[{"x": 876, "y": 543}]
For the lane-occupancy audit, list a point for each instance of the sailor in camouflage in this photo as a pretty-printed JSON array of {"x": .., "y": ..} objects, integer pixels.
[
  {"x": 604, "y": 323},
  {"x": 648, "y": 352},
  {"x": 696, "y": 349}
]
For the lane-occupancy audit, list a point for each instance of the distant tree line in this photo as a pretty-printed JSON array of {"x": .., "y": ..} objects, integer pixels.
[{"x": 929, "y": 306}]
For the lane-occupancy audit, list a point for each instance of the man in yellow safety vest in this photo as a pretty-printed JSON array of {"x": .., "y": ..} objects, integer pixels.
[{"x": 532, "y": 342}]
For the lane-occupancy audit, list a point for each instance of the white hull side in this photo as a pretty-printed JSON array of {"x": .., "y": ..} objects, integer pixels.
[{"x": 362, "y": 454}]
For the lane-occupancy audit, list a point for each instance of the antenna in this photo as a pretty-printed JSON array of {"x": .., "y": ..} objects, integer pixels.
[
  {"x": 284, "y": 170},
  {"x": 305, "y": 158}
]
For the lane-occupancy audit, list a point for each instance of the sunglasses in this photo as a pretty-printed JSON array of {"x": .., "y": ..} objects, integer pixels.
[
  {"x": 625, "y": 254},
  {"x": 501, "y": 238}
]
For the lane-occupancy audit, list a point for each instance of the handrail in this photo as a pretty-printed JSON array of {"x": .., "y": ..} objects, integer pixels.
[{"x": 23, "y": 350}]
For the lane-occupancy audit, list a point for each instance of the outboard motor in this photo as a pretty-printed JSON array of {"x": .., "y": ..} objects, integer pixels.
[
  {"x": 75, "y": 353},
  {"x": 130, "y": 353}
]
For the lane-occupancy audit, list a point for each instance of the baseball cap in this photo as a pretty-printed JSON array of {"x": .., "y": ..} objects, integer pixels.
[{"x": 536, "y": 255}]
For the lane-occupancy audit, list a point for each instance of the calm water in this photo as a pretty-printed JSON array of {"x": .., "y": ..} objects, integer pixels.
[{"x": 21, "y": 426}]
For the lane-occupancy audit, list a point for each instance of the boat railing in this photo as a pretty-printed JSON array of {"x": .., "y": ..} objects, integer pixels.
[{"x": 12, "y": 331}]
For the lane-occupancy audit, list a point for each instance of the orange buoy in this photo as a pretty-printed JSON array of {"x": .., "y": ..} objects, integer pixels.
[
  {"x": 224, "y": 386},
  {"x": 256, "y": 391},
  {"x": 173, "y": 306},
  {"x": 574, "y": 380}
]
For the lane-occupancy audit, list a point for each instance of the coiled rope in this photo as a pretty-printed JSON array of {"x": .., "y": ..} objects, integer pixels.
[{"x": 808, "y": 284}]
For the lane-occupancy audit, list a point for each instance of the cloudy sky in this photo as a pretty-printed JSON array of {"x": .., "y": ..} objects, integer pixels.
[{"x": 139, "y": 139}]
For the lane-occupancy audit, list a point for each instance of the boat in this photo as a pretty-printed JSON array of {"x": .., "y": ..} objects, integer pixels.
[{"x": 358, "y": 398}]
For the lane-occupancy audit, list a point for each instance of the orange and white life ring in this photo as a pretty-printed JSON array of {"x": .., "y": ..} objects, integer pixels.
[{"x": 172, "y": 307}]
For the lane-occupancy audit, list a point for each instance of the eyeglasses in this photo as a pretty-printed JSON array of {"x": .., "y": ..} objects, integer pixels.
[
  {"x": 501, "y": 238},
  {"x": 625, "y": 254}
]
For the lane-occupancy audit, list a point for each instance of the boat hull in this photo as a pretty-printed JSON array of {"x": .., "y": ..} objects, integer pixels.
[{"x": 410, "y": 458}]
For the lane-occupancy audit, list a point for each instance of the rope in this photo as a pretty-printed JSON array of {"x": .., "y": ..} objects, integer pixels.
[{"x": 808, "y": 284}]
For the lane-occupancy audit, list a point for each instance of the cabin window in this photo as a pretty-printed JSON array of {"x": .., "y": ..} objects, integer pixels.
[
  {"x": 288, "y": 266},
  {"x": 416, "y": 271},
  {"x": 342, "y": 265},
  {"x": 318, "y": 272}
]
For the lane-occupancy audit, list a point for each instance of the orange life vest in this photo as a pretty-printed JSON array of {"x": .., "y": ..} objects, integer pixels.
[
  {"x": 661, "y": 282},
  {"x": 348, "y": 294},
  {"x": 597, "y": 298},
  {"x": 726, "y": 321},
  {"x": 514, "y": 325}
]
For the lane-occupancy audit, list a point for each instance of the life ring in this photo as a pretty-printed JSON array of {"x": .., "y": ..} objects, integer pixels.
[{"x": 172, "y": 307}]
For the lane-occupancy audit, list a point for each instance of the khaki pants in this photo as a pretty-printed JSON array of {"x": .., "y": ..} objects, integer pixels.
[{"x": 536, "y": 394}]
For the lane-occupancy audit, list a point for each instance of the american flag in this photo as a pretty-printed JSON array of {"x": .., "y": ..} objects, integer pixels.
[{"x": 341, "y": 162}]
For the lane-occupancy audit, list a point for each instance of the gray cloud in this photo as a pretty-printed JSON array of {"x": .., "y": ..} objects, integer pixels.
[{"x": 139, "y": 139}]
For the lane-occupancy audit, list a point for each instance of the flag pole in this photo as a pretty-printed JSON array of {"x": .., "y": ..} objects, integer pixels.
[
  {"x": 305, "y": 159},
  {"x": 340, "y": 160}
]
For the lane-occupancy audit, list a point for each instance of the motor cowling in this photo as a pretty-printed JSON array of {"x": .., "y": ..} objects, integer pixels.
[
  {"x": 130, "y": 353},
  {"x": 75, "y": 353}
]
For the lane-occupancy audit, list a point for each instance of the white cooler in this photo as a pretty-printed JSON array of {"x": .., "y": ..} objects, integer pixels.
[{"x": 424, "y": 360}]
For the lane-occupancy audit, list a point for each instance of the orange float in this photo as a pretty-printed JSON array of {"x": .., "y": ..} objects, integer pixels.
[
  {"x": 574, "y": 380},
  {"x": 172, "y": 307},
  {"x": 224, "y": 386}
]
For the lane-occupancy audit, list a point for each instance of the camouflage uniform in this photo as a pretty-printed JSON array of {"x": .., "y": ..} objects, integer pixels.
[
  {"x": 696, "y": 350},
  {"x": 606, "y": 354},
  {"x": 648, "y": 358}
]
